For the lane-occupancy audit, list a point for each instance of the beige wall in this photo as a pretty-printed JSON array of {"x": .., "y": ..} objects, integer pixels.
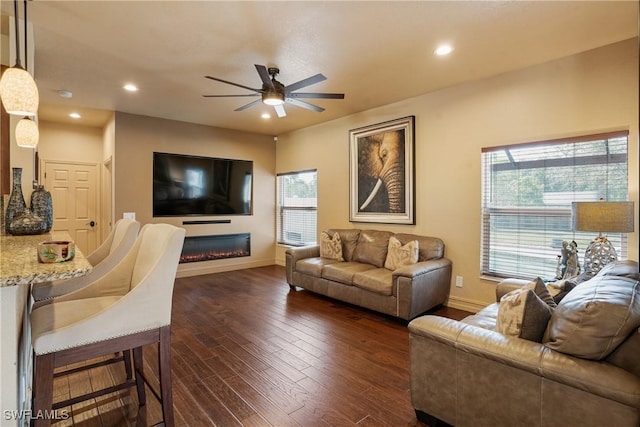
[
  {"x": 137, "y": 137},
  {"x": 583, "y": 94},
  {"x": 70, "y": 143}
]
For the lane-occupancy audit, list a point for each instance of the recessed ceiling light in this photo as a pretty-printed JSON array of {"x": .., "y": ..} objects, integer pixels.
[
  {"x": 444, "y": 49},
  {"x": 75, "y": 115},
  {"x": 266, "y": 116},
  {"x": 130, "y": 87}
]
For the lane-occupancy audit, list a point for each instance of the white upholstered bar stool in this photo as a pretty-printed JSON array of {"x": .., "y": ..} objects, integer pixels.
[
  {"x": 125, "y": 309},
  {"x": 103, "y": 259}
]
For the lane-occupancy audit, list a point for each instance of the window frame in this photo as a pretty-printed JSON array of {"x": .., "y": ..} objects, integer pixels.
[
  {"x": 489, "y": 211},
  {"x": 282, "y": 210}
]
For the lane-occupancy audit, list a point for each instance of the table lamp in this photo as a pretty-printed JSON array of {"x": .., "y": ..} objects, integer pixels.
[{"x": 603, "y": 217}]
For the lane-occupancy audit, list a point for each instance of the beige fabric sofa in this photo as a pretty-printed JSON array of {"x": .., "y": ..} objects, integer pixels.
[
  {"x": 464, "y": 373},
  {"x": 362, "y": 279}
]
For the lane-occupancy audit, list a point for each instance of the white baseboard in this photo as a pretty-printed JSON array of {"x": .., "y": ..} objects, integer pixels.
[
  {"x": 465, "y": 304},
  {"x": 209, "y": 267}
]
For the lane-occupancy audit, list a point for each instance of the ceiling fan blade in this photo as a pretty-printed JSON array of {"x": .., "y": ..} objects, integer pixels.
[
  {"x": 305, "y": 82},
  {"x": 249, "y": 105},
  {"x": 303, "y": 104},
  {"x": 234, "y": 84},
  {"x": 264, "y": 76},
  {"x": 280, "y": 110},
  {"x": 229, "y": 96},
  {"x": 317, "y": 95}
]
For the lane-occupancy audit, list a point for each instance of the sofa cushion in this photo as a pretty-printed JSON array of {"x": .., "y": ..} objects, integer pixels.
[
  {"x": 485, "y": 318},
  {"x": 331, "y": 247},
  {"x": 378, "y": 280},
  {"x": 313, "y": 266},
  {"x": 349, "y": 237},
  {"x": 343, "y": 271},
  {"x": 429, "y": 247},
  {"x": 624, "y": 268},
  {"x": 595, "y": 317},
  {"x": 399, "y": 254},
  {"x": 372, "y": 247},
  {"x": 626, "y": 354},
  {"x": 523, "y": 314}
]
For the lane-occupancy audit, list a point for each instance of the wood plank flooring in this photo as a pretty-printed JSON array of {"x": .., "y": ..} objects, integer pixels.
[{"x": 248, "y": 352}]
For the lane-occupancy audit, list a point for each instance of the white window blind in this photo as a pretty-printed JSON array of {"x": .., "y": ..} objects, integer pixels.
[
  {"x": 527, "y": 191},
  {"x": 297, "y": 208}
]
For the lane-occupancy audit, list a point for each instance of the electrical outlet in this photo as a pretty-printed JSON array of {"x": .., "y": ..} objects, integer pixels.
[
  {"x": 459, "y": 281},
  {"x": 129, "y": 215}
]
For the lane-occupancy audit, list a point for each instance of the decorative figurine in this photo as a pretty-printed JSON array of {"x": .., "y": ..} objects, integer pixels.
[{"x": 569, "y": 264}]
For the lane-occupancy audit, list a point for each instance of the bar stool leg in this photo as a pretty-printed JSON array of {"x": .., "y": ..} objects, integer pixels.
[
  {"x": 43, "y": 399},
  {"x": 164, "y": 357},
  {"x": 138, "y": 366}
]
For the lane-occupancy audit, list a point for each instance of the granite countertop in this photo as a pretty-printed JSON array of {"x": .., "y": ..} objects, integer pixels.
[{"x": 19, "y": 261}]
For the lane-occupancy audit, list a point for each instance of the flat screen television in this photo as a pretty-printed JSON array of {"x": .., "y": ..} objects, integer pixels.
[{"x": 191, "y": 185}]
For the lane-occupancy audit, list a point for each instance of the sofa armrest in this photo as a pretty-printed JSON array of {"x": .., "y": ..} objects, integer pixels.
[
  {"x": 489, "y": 344},
  {"x": 508, "y": 285},
  {"x": 422, "y": 286},
  {"x": 421, "y": 268},
  {"x": 293, "y": 255},
  {"x": 597, "y": 377}
]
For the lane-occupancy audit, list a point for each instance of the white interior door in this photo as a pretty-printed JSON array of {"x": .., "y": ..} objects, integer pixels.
[{"x": 75, "y": 192}]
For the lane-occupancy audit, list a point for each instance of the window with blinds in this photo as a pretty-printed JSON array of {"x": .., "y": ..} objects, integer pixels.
[
  {"x": 527, "y": 191},
  {"x": 297, "y": 208}
]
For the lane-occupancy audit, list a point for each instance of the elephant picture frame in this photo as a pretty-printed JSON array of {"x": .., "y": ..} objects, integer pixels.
[{"x": 382, "y": 172}]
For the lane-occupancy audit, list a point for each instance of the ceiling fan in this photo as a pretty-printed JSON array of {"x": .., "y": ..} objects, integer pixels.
[{"x": 276, "y": 94}]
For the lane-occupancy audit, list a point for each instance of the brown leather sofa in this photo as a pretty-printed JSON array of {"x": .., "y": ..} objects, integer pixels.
[
  {"x": 464, "y": 373},
  {"x": 361, "y": 278}
]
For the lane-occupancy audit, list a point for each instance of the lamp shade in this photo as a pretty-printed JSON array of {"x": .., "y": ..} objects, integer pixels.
[
  {"x": 603, "y": 217},
  {"x": 27, "y": 134},
  {"x": 19, "y": 92}
]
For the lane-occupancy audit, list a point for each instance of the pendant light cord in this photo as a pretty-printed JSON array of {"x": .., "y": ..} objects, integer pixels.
[
  {"x": 26, "y": 58},
  {"x": 15, "y": 16}
]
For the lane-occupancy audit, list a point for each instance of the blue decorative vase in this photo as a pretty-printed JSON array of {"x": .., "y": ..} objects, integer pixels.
[
  {"x": 26, "y": 223},
  {"x": 42, "y": 206},
  {"x": 16, "y": 204}
]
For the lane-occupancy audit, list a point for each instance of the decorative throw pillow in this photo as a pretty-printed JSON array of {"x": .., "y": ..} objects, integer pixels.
[
  {"x": 331, "y": 247},
  {"x": 399, "y": 255},
  {"x": 538, "y": 286},
  {"x": 561, "y": 288},
  {"x": 595, "y": 317},
  {"x": 523, "y": 314}
]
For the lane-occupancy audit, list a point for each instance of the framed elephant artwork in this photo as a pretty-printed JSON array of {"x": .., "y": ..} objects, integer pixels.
[{"x": 382, "y": 178}]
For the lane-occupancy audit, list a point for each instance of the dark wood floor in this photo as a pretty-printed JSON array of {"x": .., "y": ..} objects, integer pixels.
[{"x": 248, "y": 352}]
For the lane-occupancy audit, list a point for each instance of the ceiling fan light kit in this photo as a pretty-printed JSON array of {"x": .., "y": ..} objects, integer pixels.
[
  {"x": 276, "y": 94},
  {"x": 273, "y": 98}
]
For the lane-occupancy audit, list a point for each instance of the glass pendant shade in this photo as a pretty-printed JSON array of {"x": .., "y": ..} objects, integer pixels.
[
  {"x": 19, "y": 92},
  {"x": 27, "y": 134}
]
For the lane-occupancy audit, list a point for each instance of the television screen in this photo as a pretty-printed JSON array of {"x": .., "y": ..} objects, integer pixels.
[{"x": 190, "y": 185}]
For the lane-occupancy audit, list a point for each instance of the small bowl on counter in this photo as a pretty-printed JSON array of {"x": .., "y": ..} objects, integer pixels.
[{"x": 52, "y": 251}]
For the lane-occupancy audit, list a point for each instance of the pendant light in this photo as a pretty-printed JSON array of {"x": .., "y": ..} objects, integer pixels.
[
  {"x": 27, "y": 134},
  {"x": 18, "y": 90}
]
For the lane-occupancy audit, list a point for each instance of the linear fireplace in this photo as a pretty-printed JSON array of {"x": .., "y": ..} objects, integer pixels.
[{"x": 217, "y": 246}]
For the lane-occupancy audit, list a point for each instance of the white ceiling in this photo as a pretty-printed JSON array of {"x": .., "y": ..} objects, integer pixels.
[{"x": 375, "y": 52}]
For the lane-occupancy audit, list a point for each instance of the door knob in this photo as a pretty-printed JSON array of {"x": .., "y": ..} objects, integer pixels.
[{"x": 92, "y": 223}]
